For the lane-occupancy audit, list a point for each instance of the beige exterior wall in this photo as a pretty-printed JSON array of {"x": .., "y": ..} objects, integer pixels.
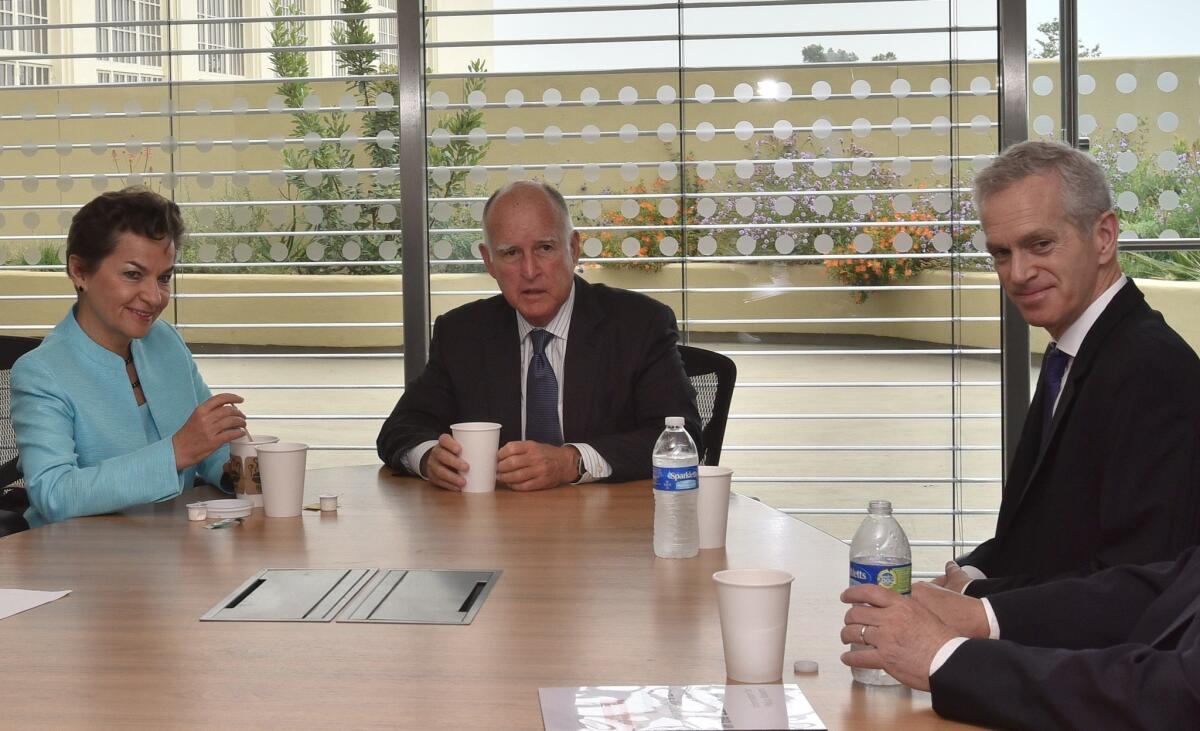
[{"x": 1176, "y": 300}]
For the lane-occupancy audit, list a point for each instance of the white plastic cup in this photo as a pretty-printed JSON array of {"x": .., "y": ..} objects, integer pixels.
[
  {"x": 282, "y": 467},
  {"x": 480, "y": 442},
  {"x": 243, "y": 466},
  {"x": 754, "y": 613},
  {"x": 197, "y": 511},
  {"x": 713, "y": 507}
]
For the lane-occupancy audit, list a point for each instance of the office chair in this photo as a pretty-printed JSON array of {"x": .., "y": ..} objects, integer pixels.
[
  {"x": 13, "y": 500},
  {"x": 713, "y": 376}
]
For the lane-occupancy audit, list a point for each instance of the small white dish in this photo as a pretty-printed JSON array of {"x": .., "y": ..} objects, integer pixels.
[{"x": 232, "y": 508}]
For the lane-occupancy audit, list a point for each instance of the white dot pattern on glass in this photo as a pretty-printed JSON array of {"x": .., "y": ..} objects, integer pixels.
[
  {"x": 901, "y": 88},
  {"x": 553, "y": 134},
  {"x": 477, "y": 99},
  {"x": 592, "y": 247},
  {"x": 863, "y": 243},
  {"x": 743, "y": 93},
  {"x": 668, "y": 246},
  {"x": 782, "y": 130},
  {"x": 668, "y": 207},
  {"x": 514, "y": 135},
  {"x": 665, "y": 94},
  {"x": 823, "y": 167},
  {"x": 1168, "y": 122},
  {"x": 744, "y": 169},
  {"x": 939, "y": 87},
  {"x": 823, "y": 205},
  {"x": 1043, "y": 125},
  {"x": 980, "y": 85},
  {"x": 860, "y": 89},
  {"x": 822, "y": 128},
  {"x": 1127, "y": 161},
  {"x": 901, "y": 126},
  {"x": 861, "y": 127},
  {"x": 442, "y": 249},
  {"x": 667, "y": 170},
  {"x": 1086, "y": 84},
  {"x": 590, "y": 133},
  {"x": 861, "y": 167},
  {"x": 629, "y": 208},
  {"x": 902, "y": 203},
  {"x": 746, "y": 245},
  {"x": 1168, "y": 200},
  {"x": 942, "y": 241},
  {"x": 351, "y": 250},
  {"x": 591, "y": 209},
  {"x": 941, "y": 125},
  {"x": 1043, "y": 85},
  {"x": 629, "y": 172},
  {"x": 589, "y": 96},
  {"x": 514, "y": 98},
  {"x": 706, "y": 170},
  {"x": 385, "y": 102},
  {"x": 705, "y": 93},
  {"x": 783, "y": 168},
  {"x": 553, "y": 173},
  {"x": 1126, "y": 83},
  {"x": 707, "y": 245},
  {"x": 941, "y": 164},
  {"x": 743, "y": 130},
  {"x": 706, "y": 132},
  {"x": 861, "y": 204},
  {"x": 823, "y": 244},
  {"x": 388, "y": 250},
  {"x": 552, "y": 97},
  {"x": 1168, "y": 160},
  {"x": 628, "y": 133},
  {"x": 591, "y": 172},
  {"x": 821, "y": 90},
  {"x": 706, "y": 208},
  {"x": 744, "y": 206},
  {"x": 627, "y": 95},
  {"x": 784, "y": 205},
  {"x": 1167, "y": 82},
  {"x": 785, "y": 244},
  {"x": 666, "y": 132},
  {"x": 1087, "y": 124},
  {"x": 1127, "y": 201},
  {"x": 903, "y": 242},
  {"x": 630, "y": 246}
]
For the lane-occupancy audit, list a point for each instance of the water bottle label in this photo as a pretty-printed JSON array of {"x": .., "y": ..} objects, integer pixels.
[
  {"x": 897, "y": 577},
  {"x": 676, "y": 479}
]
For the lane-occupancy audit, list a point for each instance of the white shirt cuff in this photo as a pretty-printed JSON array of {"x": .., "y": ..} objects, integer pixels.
[
  {"x": 943, "y": 654},
  {"x": 412, "y": 458},
  {"x": 595, "y": 467},
  {"x": 993, "y": 624},
  {"x": 973, "y": 572}
]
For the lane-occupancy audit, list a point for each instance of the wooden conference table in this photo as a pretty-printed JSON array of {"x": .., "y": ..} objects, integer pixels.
[{"x": 582, "y": 601}]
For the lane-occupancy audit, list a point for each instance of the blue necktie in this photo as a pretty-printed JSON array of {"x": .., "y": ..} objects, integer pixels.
[
  {"x": 1054, "y": 366},
  {"x": 541, "y": 394}
]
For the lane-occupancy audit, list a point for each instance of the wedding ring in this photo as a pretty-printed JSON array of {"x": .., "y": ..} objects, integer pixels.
[{"x": 862, "y": 635}]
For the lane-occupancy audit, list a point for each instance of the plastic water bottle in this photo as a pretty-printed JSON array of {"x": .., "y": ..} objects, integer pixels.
[
  {"x": 880, "y": 554},
  {"x": 676, "y": 527}
]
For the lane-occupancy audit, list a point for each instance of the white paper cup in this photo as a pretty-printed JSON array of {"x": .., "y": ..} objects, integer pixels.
[
  {"x": 282, "y": 467},
  {"x": 243, "y": 467},
  {"x": 480, "y": 442},
  {"x": 754, "y": 613},
  {"x": 713, "y": 506}
]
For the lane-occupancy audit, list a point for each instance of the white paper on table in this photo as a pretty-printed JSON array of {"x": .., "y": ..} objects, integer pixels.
[
  {"x": 660, "y": 707},
  {"x": 15, "y": 601}
]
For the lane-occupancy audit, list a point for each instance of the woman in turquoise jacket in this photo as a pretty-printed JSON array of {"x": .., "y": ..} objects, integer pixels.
[{"x": 110, "y": 411}]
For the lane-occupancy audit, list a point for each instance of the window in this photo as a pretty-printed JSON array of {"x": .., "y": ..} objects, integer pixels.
[
  {"x": 387, "y": 35},
  {"x": 141, "y": 42},
  {"x": 119, "y": 77},
  {"x": 24, "y": 12},
  {"x": 221, "y": 36}
]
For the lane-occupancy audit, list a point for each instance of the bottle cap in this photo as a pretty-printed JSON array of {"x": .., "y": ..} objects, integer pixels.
[{"x": 674, "y": 421}]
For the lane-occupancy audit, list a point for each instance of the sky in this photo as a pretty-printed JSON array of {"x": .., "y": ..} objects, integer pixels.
[{"x": 1120, "y": 27}]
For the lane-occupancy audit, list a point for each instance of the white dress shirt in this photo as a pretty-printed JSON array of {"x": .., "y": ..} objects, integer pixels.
[{"x": 595, "y": 467}]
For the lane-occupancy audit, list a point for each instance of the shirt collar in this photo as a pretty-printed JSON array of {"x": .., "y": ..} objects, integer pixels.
[
  {"x": 94, "y": 351},
  {"x": 558, "y": 326},
  {"x": 1072, "y": 339}
]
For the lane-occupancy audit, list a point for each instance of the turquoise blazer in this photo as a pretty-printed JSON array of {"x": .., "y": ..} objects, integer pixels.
[{"x": 83, "y": 445}]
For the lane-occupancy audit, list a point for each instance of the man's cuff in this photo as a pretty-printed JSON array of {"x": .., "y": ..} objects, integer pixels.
[
  {"x": 595, "y": 467},
  {"x": 993, "y": 623},
  {"x": 412, "y": 458},
  {"x": 943, "y": 654}
]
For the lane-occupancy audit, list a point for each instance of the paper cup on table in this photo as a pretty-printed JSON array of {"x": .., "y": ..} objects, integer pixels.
[
  {"x": 282, "y": 467},
  {"x": 480, "y": 442},
  {"x": 713, "y": 506},
  {"x": 754, "y": 613},
  {"x": 242, "y": 467}
]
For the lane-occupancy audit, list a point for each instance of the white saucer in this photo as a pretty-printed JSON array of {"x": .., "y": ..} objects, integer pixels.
[{"x": 228, "y": 508}]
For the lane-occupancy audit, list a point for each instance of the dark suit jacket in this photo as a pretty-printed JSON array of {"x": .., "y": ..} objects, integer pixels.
[
  {"x": 1118, "y": 479},
  {"x": 623, "y": 376},
  {"x": 1116, "y": 650}
]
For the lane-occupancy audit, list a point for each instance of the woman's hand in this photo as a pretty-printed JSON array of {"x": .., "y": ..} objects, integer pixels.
[{"x": 214, "y": 423}]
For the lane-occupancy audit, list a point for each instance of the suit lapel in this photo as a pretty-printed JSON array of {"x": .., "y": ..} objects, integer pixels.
[
  {"x": 581, "y": 365},
  {"x": 503, "y": 359},
  {"x": 1126, "y": 299}
]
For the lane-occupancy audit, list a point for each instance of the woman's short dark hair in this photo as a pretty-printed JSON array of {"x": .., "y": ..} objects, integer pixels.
[{"x": 96, "y": 227}]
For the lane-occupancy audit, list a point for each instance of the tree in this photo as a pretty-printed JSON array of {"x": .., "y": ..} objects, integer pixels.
[
  {"x": 889, "y": 56},
  {"x": 1049, "y": 46},
  {"x": 816, "y": 53}
]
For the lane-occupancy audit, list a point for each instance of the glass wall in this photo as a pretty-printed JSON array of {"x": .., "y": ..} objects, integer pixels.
[
  {"x": 792, "y": 178},
  {"x": 278, "y": 139}
]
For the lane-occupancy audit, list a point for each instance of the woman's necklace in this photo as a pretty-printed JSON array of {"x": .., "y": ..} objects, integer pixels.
[{"x": 136, "y": 383}]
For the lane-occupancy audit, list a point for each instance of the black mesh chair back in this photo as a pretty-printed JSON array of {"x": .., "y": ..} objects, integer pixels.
[
  {"x": 713, "y": 376},
  {"x": 11, "y": 348}
]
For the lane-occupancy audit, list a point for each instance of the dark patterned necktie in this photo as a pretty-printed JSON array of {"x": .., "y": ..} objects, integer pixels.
[
  {"x": 1054, "y": 366},
  {"x": 541, "y": 394}
]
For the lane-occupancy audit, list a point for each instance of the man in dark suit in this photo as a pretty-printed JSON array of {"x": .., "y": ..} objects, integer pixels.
[
  {"x": 579, "y": 376},
  {"x": 1117, "y": 649},
  {"x": 1107, "y": 471}
]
